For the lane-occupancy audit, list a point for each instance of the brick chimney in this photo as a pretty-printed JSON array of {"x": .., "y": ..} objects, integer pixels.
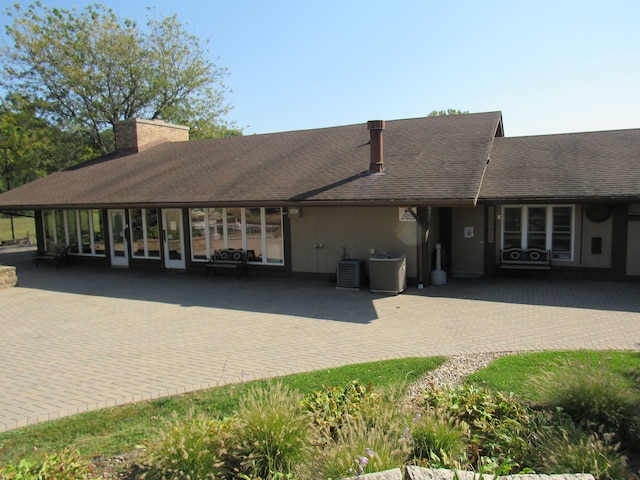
[
  {"x": 135, "y": 135},
  {"x": 376, "y": 162}
]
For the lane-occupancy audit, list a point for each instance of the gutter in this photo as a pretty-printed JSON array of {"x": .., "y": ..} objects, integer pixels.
[
  {"x": 253, "y": 203},
  {"x": 13, "y": 214},
  {"x": 560, "y": 200}
]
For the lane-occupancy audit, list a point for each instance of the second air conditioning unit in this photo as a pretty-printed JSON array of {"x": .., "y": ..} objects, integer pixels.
[{"x": 350, "y": 273}]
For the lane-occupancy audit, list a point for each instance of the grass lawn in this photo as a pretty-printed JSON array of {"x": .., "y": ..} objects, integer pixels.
[
  {"x": 514, "y": 373},
  {"x": 22, "y": 226},
  {"x": 116, "y": 430}
]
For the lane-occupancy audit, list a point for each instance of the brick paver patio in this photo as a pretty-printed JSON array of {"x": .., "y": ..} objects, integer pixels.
[{"x": 77, "y": 339}]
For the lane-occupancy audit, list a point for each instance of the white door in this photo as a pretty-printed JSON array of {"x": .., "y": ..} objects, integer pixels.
[
  {"x": 117, "y": 233},
  {"x": 173, "y": 238}
]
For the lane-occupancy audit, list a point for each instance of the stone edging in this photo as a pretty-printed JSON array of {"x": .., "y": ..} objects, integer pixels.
[
  {"x": 420, "y": 473},
  {"x": 8, "y": 277}
]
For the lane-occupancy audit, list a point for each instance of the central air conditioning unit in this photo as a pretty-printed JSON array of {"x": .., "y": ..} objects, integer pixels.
[
  {"x": 388, "y": 273},
  {"x": 350, "y": 273}
]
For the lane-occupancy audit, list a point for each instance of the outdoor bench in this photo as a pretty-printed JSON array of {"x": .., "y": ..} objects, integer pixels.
[
  {"x": 525, "y": 259},
  {"x": 230, "y": 258},
  {"x": 55, "y": 254}
]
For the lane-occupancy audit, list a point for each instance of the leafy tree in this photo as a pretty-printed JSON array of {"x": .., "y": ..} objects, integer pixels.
[
  {"x": 31, "y": 147},
  {"x": 91, "y": 69},
  {"x": 444, "y": 113}
]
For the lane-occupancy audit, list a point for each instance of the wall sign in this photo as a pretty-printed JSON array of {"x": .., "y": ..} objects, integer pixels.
[{"x": 405, "y": 216}]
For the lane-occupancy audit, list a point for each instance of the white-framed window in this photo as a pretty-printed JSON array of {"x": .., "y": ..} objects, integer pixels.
[
  {"x": 145, "y": 236},
  {"x": 549, "y": 227},
  {"x": 258, "y": 229},
  {"x": 81, "y": 230}
]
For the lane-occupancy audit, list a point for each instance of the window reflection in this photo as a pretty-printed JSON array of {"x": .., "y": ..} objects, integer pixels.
[
  {"x": 98, "y": 232},
  {"x": 537, "y": 237},
  {"x": 81, "y": 230},
  {"x": 253, "y": 230},
  {"x": 257, "y": 229},
  {"x": 59, "y": 227},
  {"x": 153, "y": 234},
  {"x": 49, "y": 222},
  {"x": 546, "y": 227},
  {"x": 85, "y": 231},
  {"x": 216, "y": 229},
  {"x": 198, "y": 233},
  {"x": 512, "y": 228},
  {"x": 273, "y": 227},
  {"x": 561, "y": 244},
  {"x": 145, "y": 239},
  {"x": 72, "y": 228},
  {"x": 234, "y": 228}
]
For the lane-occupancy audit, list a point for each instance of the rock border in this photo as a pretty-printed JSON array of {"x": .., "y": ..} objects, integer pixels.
[
  {"x": 8, "y": 277},
  {"x": 419, "y": 473}
]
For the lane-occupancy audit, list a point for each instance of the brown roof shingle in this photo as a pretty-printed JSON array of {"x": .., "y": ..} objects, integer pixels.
[
  {"x": 593, "y": 165},
  {"x": 427, "y": 160}
]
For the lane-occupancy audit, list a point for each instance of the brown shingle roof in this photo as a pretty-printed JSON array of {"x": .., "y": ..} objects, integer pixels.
[
  {"x": 427, "y": 160},
  {"x": 595, "y": 165}
]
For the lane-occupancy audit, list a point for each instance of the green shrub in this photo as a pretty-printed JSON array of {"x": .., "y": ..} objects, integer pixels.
[
  {"x": 593, "y": 397},
  {"x": 439, "y": 441},
  {"x": 332, "y": 407},
  {"x": 66, "y": 465},
  {"x": 272, "y": 433},
  {"x": 570, "y": 450},
  {"x": 24, "y": 470},
  {"x": 371, "y": 442},
  {"x": 186, "y": 449},
  {"x": 501, "y": 429}
]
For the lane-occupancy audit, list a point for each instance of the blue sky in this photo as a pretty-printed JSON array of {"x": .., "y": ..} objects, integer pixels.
[{"x": 549, "y": 66}]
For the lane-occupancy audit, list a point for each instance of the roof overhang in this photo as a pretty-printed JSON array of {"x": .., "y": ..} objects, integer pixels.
[
  {"x": 544, "y": 199},
  {"x": 467, "y": 202}
]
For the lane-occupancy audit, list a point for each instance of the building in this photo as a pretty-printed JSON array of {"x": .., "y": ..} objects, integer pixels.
[{"x": 558, "y": 204}]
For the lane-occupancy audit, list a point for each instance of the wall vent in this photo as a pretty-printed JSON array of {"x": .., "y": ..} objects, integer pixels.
[{"x": 350, "y": 273}]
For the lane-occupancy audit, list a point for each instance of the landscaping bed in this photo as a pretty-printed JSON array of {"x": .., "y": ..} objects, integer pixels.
[{"x": 562, "y": 412}]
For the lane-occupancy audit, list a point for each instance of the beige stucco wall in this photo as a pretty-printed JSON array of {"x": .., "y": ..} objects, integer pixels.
[
  {"x": 320, "y": 234},
  {"x": 467, "y": 241},
  {"x": 633, "y": 248},
  {"x": 590, "y": 230}
]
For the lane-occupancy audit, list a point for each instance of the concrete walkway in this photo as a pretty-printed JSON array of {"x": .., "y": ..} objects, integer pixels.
[{"x": 76, "y": 338}]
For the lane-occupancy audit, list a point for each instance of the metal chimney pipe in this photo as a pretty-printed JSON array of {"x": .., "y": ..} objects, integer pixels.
[{"x": 376, "y": 162}]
